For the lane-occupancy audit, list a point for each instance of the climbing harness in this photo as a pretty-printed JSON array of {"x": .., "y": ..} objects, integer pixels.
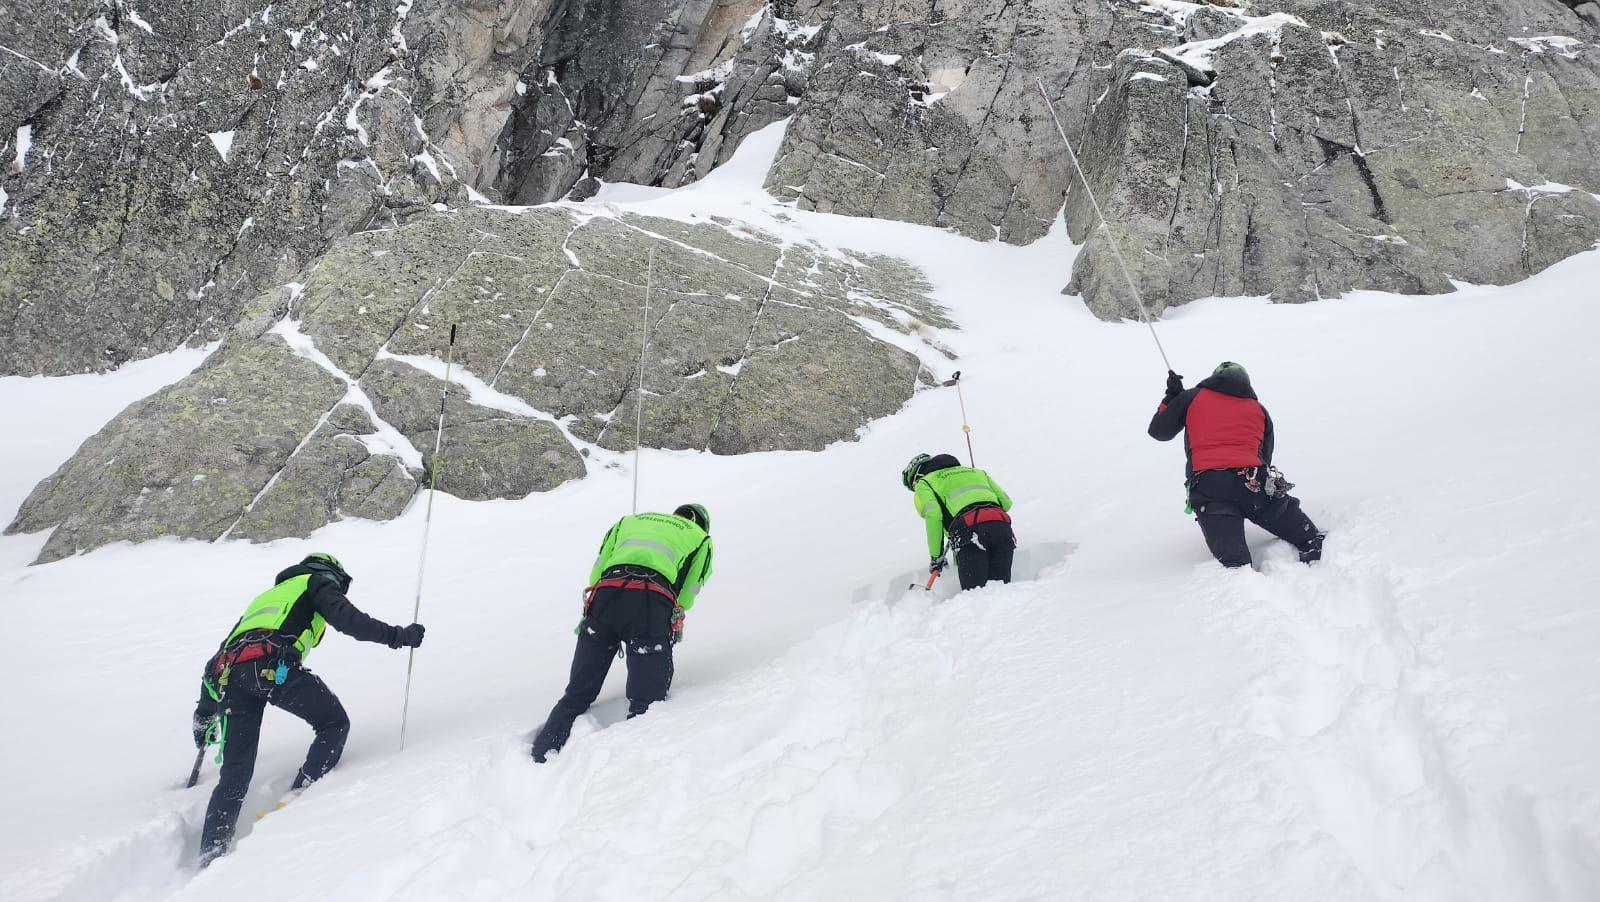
[
  {"x": 628, "y": 576},
  {"x": 982, "y": 513}
]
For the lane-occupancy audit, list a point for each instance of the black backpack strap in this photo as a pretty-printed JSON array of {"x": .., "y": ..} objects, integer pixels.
[
  {"x": 683, "y": 572},
  {"x": 948, "y": 520}
]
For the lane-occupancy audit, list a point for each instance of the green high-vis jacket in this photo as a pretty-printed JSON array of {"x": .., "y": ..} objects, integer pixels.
[
  {"x": 943, "y": 494},
  {"x": 302, "y": 603},
  {"x": 672, "y": 546},
  {"x": 276, "y": 607}
]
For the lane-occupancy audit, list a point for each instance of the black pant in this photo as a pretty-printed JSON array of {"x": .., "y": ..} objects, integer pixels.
[
  {"x": 641, "y": 620},
  {"x": 983, "y": 552},
  {"x": 1222, "y": 503},
  {"x": 302, "y": 694}
]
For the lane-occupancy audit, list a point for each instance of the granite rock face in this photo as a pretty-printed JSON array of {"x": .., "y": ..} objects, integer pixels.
[
  {"x": 486, "y": 453},
  {"x": 167, "y": 160},
  {"x": 323, "y": 402},
  {"x": 1295, "y": 148},
  {"x": 1291, "y": 160},
  {"x": 656, "y": 92},
  {"x": 334, "y": 475},
  {"x": 164, "y": 162},
  {"x": 189, "y": 460},
  {"x": 929, "y": 112}
]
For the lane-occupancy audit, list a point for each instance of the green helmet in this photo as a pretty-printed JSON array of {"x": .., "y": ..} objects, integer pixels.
[
  {"x": 913, "y": 470},
  {"x": 695, "y": 513},
  {"x": 324, "y": 562},
  {"x": 1230, "y": 365}
]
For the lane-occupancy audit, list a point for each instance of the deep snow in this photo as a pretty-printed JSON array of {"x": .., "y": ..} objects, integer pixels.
[{"x": 1415, "y": 718}]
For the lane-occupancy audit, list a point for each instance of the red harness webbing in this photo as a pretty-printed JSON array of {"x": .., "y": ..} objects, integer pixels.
[
  {"x": 240, "y": 655},
  {"x": 635, "y": 583},
  {"x": 983, "y": 515}
]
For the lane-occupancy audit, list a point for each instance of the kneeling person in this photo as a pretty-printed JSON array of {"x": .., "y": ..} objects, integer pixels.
[
  {"x": 650, "y": 568},
  {"x": 969, "y": 506},
  {"x": 1228, "y": 445},
  {"x": 259, "y": 664}
]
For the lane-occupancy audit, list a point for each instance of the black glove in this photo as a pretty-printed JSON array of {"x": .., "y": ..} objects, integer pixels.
[
  {"x": 1174, "y": 384},
  {"x": 937, "y": 564},
  {"x": 201, "y": 725},
  {"x": 407, "y": 636}
]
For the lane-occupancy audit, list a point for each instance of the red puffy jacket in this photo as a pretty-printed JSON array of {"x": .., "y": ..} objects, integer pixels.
[{"x": 1225, "y": 427}]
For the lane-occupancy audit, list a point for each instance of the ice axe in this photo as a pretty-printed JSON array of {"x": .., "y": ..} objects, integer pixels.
[
  {"x": 194, "y": 774},
  {"x": 933, "y": 574}
]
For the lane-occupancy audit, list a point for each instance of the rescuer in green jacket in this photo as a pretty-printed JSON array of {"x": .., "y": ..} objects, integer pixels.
[
  {"x": 969, "y": 506},
  {"x": 260, "y": 664},
  {"x": 650, "y": 568}
]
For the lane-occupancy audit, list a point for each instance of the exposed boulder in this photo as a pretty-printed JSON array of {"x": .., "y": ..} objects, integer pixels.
[
  {"x": 713, "y": 286},
  {"x": 189, "y": 460},
  {"x": 323, "y": 403}
]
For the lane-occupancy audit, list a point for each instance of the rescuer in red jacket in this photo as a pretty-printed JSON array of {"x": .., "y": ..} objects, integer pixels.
[{"x": 1230, "y": 477}]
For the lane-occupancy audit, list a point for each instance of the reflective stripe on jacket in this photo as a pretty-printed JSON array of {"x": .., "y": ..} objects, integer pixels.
[{"x": 284, "y": 608}]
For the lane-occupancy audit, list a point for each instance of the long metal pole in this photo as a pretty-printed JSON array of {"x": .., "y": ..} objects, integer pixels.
[
  {"x": 427, "y": 523},
  {"x": 638, "y": 401},
  {"x": 1110, "y": 239}
]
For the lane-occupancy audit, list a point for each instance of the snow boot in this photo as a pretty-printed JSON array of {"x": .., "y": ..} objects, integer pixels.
[
  {"x": 212, "y": 853},
  {"x": 1313, "y": 550}
]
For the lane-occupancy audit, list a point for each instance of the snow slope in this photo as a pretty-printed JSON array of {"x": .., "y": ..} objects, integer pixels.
[{"x": 1415, "y": 718}]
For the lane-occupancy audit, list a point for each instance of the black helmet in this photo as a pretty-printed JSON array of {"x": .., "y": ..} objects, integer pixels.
[
  {"x": 908, "y": 476},
  {"x": 696, "y": 514},
  {"x": 323, "y": 562}
]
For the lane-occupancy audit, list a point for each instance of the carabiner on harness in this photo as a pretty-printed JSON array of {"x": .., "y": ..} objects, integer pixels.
[{"x": 1267, "y": 481}]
